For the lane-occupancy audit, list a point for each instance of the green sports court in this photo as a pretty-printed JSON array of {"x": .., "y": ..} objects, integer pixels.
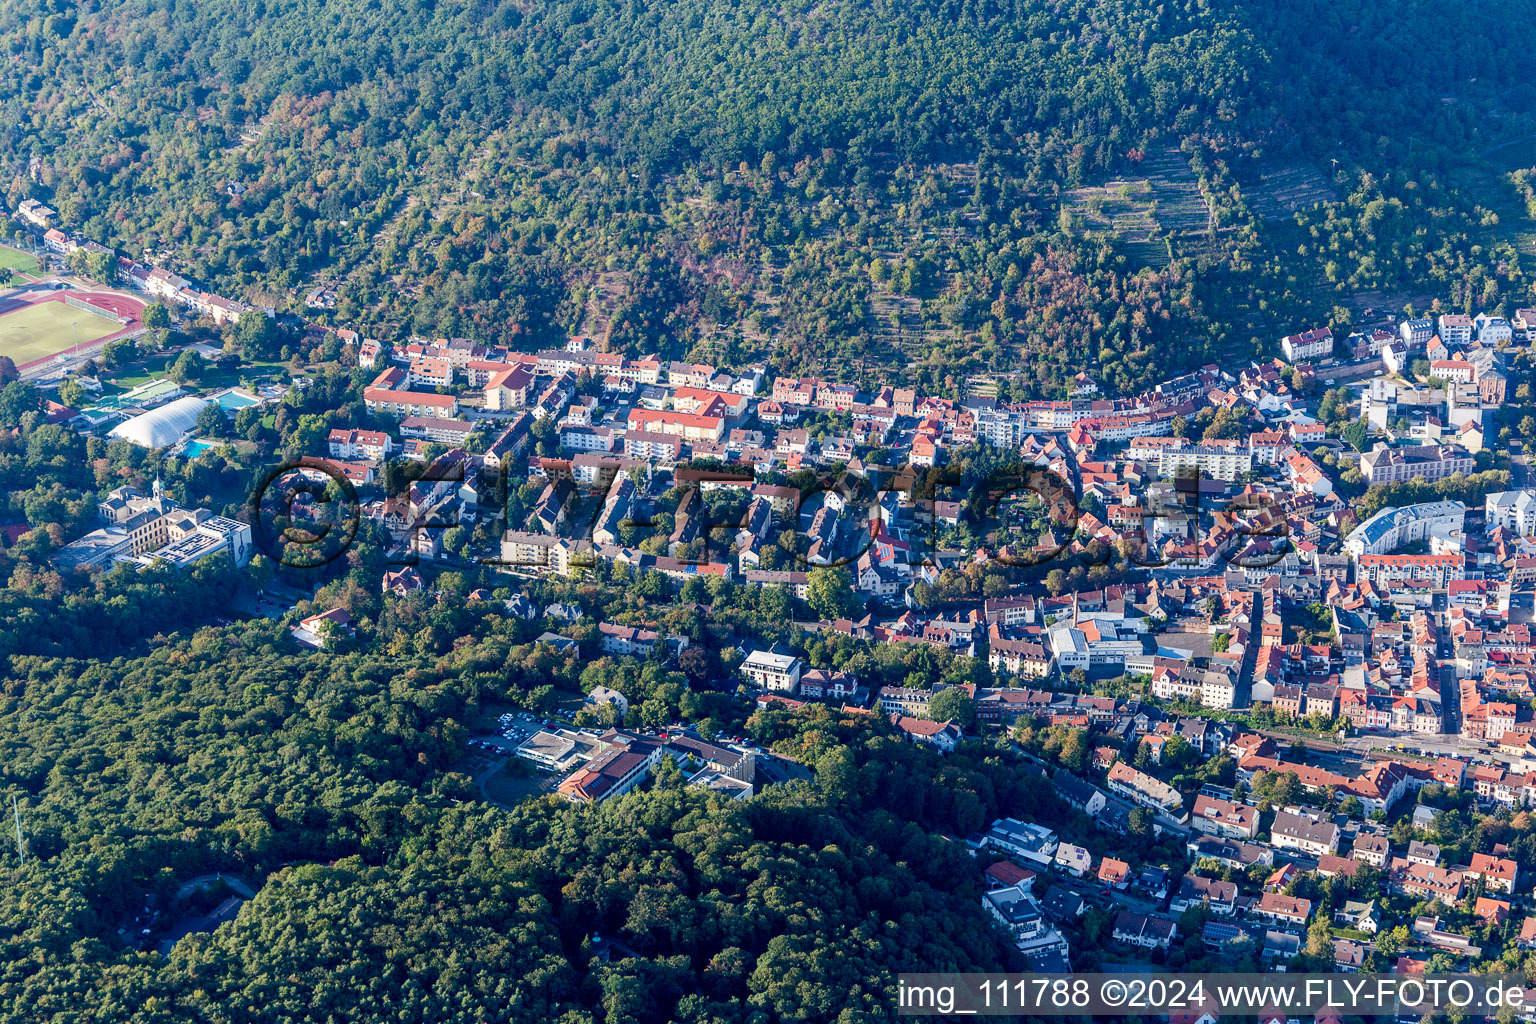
[{"x": 41, "y": 329}]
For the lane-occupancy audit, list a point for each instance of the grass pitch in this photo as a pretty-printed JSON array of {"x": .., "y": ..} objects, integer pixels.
[
  {"x": 47, "y": 328},
  {"x": 15, "y": 259}
]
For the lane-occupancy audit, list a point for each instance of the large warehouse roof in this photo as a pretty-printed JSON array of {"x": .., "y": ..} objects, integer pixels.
[{"x": 162, "y": 427}]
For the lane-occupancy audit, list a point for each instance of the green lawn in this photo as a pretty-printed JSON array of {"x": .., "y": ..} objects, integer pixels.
[
  {"x": 15, "y": 259},
  {"x": 45, "y": 328},
  {"x": 132, "y": 376},
  {"x": 212, "y": 378}
]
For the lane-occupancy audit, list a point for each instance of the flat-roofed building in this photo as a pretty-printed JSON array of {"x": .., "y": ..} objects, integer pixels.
[
  {"x": 1219, "y": 462},
  {"x": 772, "y": 671}
]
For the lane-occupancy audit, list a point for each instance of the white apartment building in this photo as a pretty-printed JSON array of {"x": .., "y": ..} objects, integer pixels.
[
  {"x": 1217, "y": 462},
  {"x": 1218, "y": 691},
  {"x": 430, "y": 371},
  {"x": 1308, "y": 345},
  {"x": 372, "y": 445},
  {"x": 1391, "y": 528},
  {"x": 1297, "y": 832},
  {"x": 1492, "y": 330},
  {"x": 1422, "y": 570},
  {"x": 1513, "y": 510},
  {"x": 772, "y": 672},
  {"x": 1416, "y": 332},
  {"x": 1455, "y": 329}
]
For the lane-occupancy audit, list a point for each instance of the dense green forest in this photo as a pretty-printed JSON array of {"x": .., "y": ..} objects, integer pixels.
[
  {"x": 395, "y": 893},
  {"x": 917, "y": 190}
]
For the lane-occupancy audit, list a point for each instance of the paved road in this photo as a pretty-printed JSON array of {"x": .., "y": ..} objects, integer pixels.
[
  {"x": 1520, "y": 471},
  {"x": 1143, "y": 905},
  {"x": 1450, "y": 699},
  {"x": 203, "y": 881},
  {"x": 35, "y": 285},
  {"x": 1417, "y": 743}
]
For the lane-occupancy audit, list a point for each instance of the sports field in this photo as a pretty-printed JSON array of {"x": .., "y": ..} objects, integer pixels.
[
  {"x": 42, "y": 329},
  {"x": 15, "y": 259}
]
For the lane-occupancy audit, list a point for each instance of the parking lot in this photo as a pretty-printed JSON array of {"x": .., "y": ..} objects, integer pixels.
[
  {"x": 503, "y": 777},
  {"x": 513, "y": 729}
]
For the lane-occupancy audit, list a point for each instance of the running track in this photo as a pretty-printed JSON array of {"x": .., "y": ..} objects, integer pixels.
[{"x": 122, "y": 305}]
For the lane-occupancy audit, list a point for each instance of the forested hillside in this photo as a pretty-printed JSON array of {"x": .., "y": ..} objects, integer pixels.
[
  {"x": 396, "y": 894},
  {"x": 726, "y": 82},
  {"x": 910, "y": 189}
]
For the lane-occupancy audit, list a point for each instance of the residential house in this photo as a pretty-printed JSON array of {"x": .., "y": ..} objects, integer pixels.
[
  {"x": 1224, "y": 818},
  {"x": 1291, "y": 831}
]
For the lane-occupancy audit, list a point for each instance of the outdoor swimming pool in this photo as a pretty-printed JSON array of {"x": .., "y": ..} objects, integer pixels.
[{"x": 233, "y": 401}]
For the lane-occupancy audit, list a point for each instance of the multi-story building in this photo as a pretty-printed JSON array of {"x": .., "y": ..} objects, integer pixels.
[
  {"x": 35, "y": 213},
  {"x": 1391, "y": 528},
  {"x": 430, "y": 371},
  {"x": 1218, "y": 690},
  {"x": 626, "y": 763},
  {"x": 1143, "y": 789},
  {"x": 687, "y": 426},
  {"x": 1288, "y": 911},
  {"x": 439, "y": 429},
  {"x": 582, "y": 438},
  {"x": 1416, "y": 332},
  {"x": 796, "y": 391},
  {"x": 1297, "y": 832},
  {"x": 1224, "y": 818},
  {"x": 650, "y": 446},
  {"x": 1231, "y": 853},
  {"x": 1026, "y": 841},
  {"x": 1222, "y": 463},
  {"x": 1019, "y": 658},
  {"x": 1372, "y": 850},
  {"x": 1197, "y": 890},
  {"x": 1085, "y": 796},
  {"x": 507, "y": 389},
  {"x": 1428, "y": 882},
  {"x": 1134, "y": 929},
  {"x": 617, "y": 639},
  {"x": 153, "y": 528},
  {"x": 1455, "y": 329},
  {"x": 371, "y": 445},
  {"x": 1308, "y": 345},
  {"x": 1386, "y": 465},
  {"x": 199, "y": 534},
  {"x": 410, "y": 403},
  {"x": 1499, "y": 874},
  {"x": 772, "y": 671},
  {"x": 1513, "y": 510},
  {"x": 1492, "y": 330},
  {"x": 1421, "y": 570},
  {"x": 904, "y": 700},
  {"x": 1457, "y": 371},
  {"x": 535, "y": 551},
  {"x": 1032, "y": 934}
]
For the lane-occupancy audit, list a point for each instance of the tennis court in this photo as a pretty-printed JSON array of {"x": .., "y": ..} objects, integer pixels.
[{"x": 42, "y": 329}]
